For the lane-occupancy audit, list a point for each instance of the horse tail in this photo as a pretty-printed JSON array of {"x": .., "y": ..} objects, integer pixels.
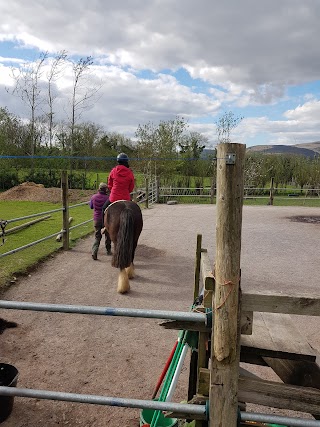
[{"x": 122, "y": 257}]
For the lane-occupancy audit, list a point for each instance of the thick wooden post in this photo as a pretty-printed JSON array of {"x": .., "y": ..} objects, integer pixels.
[
  {"x": 65, "y": 212},
  {"x": 271, "y": 192},
  {"x": 225, "y": 344},
  {"x": 197, "y": 267}
]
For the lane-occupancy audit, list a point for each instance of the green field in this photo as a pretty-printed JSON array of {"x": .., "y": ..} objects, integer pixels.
[{"x": 20, "y": 262}]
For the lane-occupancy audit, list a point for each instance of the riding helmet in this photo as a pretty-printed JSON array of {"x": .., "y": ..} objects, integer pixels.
[
  {"x": 122, "y": 157},
  {"x": 103, "y": 186}
]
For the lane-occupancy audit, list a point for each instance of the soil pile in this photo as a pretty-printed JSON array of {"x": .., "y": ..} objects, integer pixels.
[{"x": 29, "y": 191}]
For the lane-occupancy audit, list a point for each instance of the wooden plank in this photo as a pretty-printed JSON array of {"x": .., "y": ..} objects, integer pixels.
[
  {"x": 185, "y": 325},
  {"x": 270, "y": 393},
  {"x": 275, "y": 335},
  {"x": 296, "y": 372},
  {"x": 206, "y": 272},
  {"x": 246, "y": 324},
  {"x": 197, "y": 267},
  {"x": 65, "y": 212},
  {"x": 306, "y": 305},
  {"x": 207, "y": 299},
  {"x": 279, "y": 395}
]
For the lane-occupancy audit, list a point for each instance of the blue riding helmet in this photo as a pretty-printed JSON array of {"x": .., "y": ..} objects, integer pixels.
[{"x": 122, "y": 157}]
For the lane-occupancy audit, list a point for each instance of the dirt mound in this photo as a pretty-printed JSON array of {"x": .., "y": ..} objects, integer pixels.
[{"x": 32, "y": 192}]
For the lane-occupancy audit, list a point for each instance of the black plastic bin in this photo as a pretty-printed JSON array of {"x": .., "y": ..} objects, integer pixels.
[{"x": 9, "y": 378}]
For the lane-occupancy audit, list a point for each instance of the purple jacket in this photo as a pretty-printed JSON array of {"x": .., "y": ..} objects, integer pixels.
[{"x": 96, "y": 203}]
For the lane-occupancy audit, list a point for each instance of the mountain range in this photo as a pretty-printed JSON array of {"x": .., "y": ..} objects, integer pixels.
[{"x": 308, "y": 149}]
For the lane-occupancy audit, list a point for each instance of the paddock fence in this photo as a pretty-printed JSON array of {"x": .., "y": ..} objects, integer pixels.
[
  {"x": 268, "y": 194},
  {"x": 145, "y": 196}
]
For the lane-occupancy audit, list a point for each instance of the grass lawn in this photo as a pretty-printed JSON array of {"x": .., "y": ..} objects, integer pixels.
[{"x": 20, "y": 262}]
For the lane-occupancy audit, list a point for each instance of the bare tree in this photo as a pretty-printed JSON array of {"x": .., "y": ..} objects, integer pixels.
[
  {"x": 28, "y": 89},
  {"x": 52, "y": 76},
  {"x": 225, "y": 124},
  {"x": 82, "y": 93}
]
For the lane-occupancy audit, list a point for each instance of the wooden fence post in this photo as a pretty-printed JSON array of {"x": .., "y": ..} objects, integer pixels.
[
  {"x": 197, "y": 267},
  {"x": 157, "y": 190},
  {"x": 147, "y": 193},
  {"x": 212, "y": 191},
  {"x": 65, "y": 212},
  {"x": 225, "y": 341},
  {"x": 271, "y": 192}
]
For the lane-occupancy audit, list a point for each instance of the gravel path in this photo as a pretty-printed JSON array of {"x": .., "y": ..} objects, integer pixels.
[{"x": 124, "y": 357}]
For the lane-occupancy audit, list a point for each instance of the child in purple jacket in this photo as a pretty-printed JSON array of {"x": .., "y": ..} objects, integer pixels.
[{"x": 96, "y": 203}]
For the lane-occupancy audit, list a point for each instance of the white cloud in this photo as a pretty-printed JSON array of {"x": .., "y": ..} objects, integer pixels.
[{"x": 245, "y": 54}]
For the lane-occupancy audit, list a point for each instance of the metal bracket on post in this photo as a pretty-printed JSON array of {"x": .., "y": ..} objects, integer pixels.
[{"x": 230, "y": 159}]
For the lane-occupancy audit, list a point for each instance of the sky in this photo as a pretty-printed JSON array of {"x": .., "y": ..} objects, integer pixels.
[{"x": 158, "y": 59}]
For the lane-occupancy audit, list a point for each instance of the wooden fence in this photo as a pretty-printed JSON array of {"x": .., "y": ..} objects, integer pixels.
[{"x": 147, "y": 196}]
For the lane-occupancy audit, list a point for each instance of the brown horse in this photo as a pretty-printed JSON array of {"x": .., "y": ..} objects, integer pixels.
[{"x": 123, "y": 221}]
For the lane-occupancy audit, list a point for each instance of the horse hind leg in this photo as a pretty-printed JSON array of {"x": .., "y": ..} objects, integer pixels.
[
  {"x": 130, "y": 271},
  {"x": 123, "y": 282}
]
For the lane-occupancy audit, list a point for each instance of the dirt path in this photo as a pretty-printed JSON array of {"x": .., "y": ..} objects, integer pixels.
[{"x": 124, "y": 357}]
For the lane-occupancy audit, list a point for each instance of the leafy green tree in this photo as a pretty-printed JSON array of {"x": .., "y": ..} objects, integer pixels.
[
  {"x": 301, "y": 172},
  {"x": 255, "y": 171},
  {"x": 191, "y": 148},
  {"x": 157, "y": 146}
]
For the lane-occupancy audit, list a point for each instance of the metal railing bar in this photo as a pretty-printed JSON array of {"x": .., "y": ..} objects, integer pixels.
[
  {"x": 34, "y": 215},
  {"x": 279, "y": 419},
  {"x": 13, "y": 251},
  {"x": 105, "y": 311},
  {"x": 183, "y": 408},
  {"x": 79, "y": 204},
  {"x": 82, "y": 223}
]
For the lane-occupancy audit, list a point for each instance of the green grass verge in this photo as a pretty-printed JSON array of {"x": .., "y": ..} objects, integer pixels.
[{"x": 22, "y": 261}]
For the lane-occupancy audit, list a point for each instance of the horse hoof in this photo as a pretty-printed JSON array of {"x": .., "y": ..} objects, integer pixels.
[
  {"x": 123, "y": 290},
  {"x": 109, "y": 252},
  {"x": 94, "y": 256}
]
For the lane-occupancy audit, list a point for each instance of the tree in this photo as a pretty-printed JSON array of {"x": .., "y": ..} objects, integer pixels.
[
  {"x": 13, "y": 134},
  {"x": 157, "y": 145},
  {"x": 52, "y": 75},
  {"x": 27, "y": 88},
  {"x": 225, "y": 125},
  {"x": 82, "y": 93},
  {"x": 191, "y": 147}
]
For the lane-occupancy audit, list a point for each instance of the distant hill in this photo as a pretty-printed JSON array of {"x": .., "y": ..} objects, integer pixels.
[{"x": 309, "y": 149}]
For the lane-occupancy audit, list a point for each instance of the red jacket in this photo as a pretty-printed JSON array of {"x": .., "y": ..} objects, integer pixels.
[{"x": 120, "y": 183}]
